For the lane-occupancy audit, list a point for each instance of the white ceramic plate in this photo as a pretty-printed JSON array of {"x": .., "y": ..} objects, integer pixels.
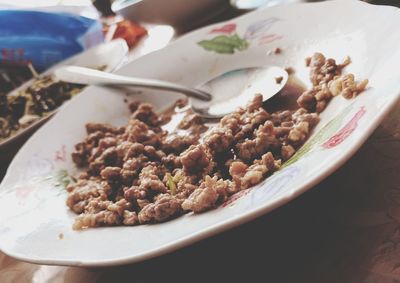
[
  {"x": 111, "y": 55},
  {"x": 35, "y": 224}
]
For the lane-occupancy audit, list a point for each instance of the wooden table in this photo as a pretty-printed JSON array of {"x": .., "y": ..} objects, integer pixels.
[{"x": 346, "y": 229}]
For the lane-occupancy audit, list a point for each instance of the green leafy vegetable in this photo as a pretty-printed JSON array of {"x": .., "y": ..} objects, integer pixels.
[
  {"x": 171, "y": 184},
  {"x": 63, "y": 179}
]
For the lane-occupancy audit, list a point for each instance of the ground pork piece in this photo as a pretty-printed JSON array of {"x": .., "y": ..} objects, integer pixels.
[
  {"x": 201, "y": 200},
  {"x": 134, "y": 105},
  {"x": 80, "y": 155},
  {"x": 282, "y": 131},
  {"x": 210, "y": 192},
  {"x": 171, "y": 161},
  {"x": 130, "y": 218},
  {"x": 87, "y": 220},
  {"x": 307, "y": 100},
  {"x": 113, "y": 210},
  {"x": 322, "y": 93},
  {"x": 134, "y": 193},
  {"x": 83, "y": 150},
  {"x": 258, "y": 117},
  {"x": 237, "y": 169},
  {"x": 137, "y": 131},
  {"x": 269, "y": 161},
  {"x": 287, "y": 124},
  {"x": 257, "y": 171},
  {"x": 196, "y": 159},
  {"x": 299, "y": 133},
  {"x": 317, "y": 61},
  {"x": 142, "y": 203},
  {"x": 101, "y": 218},
  {"x": 84, "y": 175},
  {"x": 347, "y": 86},
  {"x": 111, "y": 174},
  {"x": 96, "y": 205},
  {"x": 105, "y": 128},
  {"x": 109, "y": 157},
  {"x": 253, "y": 176},
  {"x": 245, "y": 132},
  {"x": 178, "y": 143},
  {"x": 128, "y": 150},
  {"x": 219, "y": 140},
  {"x": 242, "y": 123},
  {"x": 281, "y": 116},
  {"x": 264, "y": 139},
  {"x": 93, "y": 139},
  {"x": 81, "y": 192},
  {"x": 103, "y": 144},
  {"x": 287, "y": 151},
  {"x": 145, "y": 113},
  {"x": 231, "y": 122},
  {"x": 245, "y": 176},
  {"x": 185, "y": 183},
  {"x": 107, "y": 142},
  {"x": 149, "y": 179},
  {"x": 153, "y": 154},
  {"x": 131, "y": 168},
  {"x": 246, "y": 150},
  {"x": 324, "y": 70},
  {"x": 254, "y": 118},
  {"x": 190, "y": 120},
  {"x": 119, "y": 206},
  {"x": 302, "y": 115},
  {"x": 165, "y": 207},
  {"x": 321, "y": 105},
  {"x": 255, "y": 103}
]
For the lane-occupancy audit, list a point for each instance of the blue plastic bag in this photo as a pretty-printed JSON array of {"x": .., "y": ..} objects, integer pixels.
[{"x": 44, "y": 38}]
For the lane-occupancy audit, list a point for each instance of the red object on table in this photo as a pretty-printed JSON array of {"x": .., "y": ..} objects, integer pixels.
[{"x": 130, "y": 31}]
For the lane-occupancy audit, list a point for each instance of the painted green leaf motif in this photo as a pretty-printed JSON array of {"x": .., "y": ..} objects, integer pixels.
[
  {"x": 224, "y": 44},
  {"x": 330, "y": 128}
]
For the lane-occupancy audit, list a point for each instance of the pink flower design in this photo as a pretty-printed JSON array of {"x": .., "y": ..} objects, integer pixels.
[
  {"x": 23, "y": 193},
  {"x": 269, "y": 38},
  {"x": 227, "y": 29},
  {"x": 345, "y": 132},
  {"x": 232, "y": 199},
  {"x": 61, "y": 155}
]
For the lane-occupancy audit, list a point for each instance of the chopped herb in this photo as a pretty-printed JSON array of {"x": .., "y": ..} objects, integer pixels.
[
  {"x": 63, "y": 179},
  {"x": 171, "y": 184}
]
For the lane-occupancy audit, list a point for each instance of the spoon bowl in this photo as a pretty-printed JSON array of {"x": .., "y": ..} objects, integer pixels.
[{"x": 233, "y": 89}]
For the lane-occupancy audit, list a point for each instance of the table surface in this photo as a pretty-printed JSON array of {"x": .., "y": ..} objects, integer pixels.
[{"x": 346, "y": 229}]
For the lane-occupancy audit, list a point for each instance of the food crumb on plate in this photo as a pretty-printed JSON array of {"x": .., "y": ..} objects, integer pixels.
[
  {"x": 290, "y": 70},
  {"x": 278, "y": 80}
]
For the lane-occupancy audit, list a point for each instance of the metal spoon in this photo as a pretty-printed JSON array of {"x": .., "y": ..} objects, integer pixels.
[{"x": 228, "y": 91}]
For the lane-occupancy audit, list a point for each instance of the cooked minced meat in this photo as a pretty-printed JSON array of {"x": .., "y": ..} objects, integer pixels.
[{"x": 141, "y": 173}]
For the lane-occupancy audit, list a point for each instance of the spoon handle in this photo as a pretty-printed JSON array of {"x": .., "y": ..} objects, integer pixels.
[{"x": 87, "y": 76}]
